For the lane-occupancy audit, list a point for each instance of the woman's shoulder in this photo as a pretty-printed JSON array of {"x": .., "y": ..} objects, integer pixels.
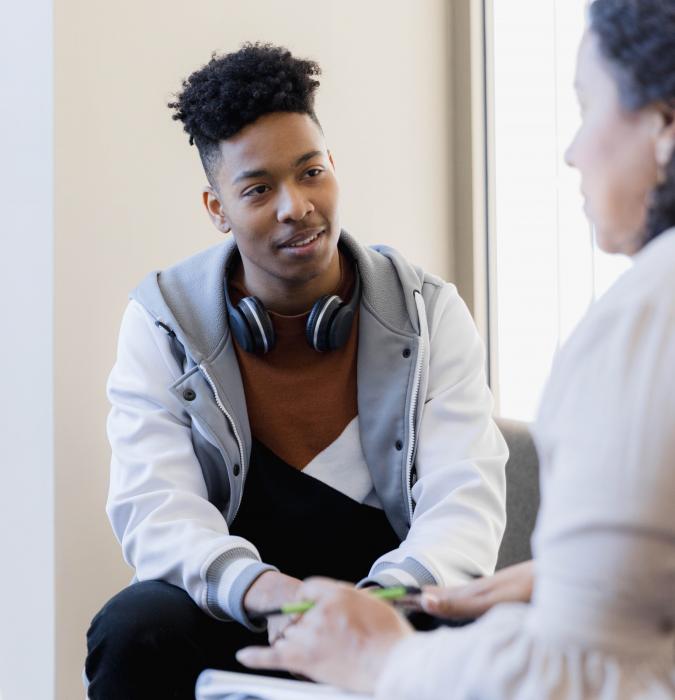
[
  {"x": 653, "y": 271},
  {"x": 643, "y": 296},
  {"x": 619, "y": 362}
]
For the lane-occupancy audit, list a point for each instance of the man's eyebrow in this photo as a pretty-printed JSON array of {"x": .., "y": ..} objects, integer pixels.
[
  {"x": 249, "y": 174},
  {"x": 306, "y": 157}
]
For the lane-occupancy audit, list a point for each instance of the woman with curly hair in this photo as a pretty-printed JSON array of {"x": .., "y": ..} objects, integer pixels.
[{"x": 594, "y": 615}]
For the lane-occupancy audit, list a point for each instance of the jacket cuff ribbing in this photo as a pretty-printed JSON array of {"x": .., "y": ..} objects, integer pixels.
[
  {"x": 237, "y": 591},
  {"x": 408, "y": 572},
  {"x": 383, "y": 580},
  {"x": 228, "y": 579}
]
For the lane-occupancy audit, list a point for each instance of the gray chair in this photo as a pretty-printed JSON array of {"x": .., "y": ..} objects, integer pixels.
[{"x": 522, "y": 493}]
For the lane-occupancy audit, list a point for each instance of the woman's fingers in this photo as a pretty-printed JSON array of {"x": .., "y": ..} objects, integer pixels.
[
  {"x": 462, "y": 602},
  {"x": 345, "y": 639},
  {"x": 277, "y": 626},
  {"x": 260, "y": 657},
  {"x": 512, "y": 584},
  {"x": 283, "y": 655}
]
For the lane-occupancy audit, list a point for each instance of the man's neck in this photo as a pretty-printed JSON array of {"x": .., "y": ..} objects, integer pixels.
[{"x": 290, "y": 298}]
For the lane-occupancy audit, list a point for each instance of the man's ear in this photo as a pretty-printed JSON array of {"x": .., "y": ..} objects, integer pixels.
[
  {"x": 215, "y": 210},
  {"x": 330, "y": 158}
]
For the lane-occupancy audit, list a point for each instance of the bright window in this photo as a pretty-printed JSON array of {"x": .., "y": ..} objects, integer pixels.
[{"x": 547, "y": 268}]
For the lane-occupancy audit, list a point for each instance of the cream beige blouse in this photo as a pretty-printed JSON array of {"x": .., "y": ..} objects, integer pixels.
[{"x": 602, "y": 620}]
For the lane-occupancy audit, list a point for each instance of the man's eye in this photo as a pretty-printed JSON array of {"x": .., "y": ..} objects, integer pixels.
[
  {"x": 313, "y": 172},
  {"x": 257, "y": 190}
]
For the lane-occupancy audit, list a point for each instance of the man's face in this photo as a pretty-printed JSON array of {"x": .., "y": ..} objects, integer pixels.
[{"x": 276, "y": 190}]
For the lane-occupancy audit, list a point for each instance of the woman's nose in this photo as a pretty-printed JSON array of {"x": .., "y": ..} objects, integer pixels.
[{"x": 569, "y": 154}]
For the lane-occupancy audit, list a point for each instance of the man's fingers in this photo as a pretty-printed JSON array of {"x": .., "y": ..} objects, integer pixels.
[{"x": 317, "y": 587}]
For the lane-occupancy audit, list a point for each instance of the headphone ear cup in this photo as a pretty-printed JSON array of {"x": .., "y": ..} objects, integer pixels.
[
  {"x": 340, "y": 327},
  {"x": 258, "y": 325},
  {"x": 240, "y": 329},
  {"x": 317, "y": 330}
]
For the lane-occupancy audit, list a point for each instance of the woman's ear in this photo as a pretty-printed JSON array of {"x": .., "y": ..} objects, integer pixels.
[
  {"x": 215, "y": 210},
  {"x": 664, "y": 145}
]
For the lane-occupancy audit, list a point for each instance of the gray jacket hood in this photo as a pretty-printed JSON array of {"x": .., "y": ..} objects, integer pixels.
[{"x": 188, "y": 297}]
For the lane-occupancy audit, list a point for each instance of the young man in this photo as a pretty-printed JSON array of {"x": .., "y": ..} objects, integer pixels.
[{"x": 284, "y": 404}]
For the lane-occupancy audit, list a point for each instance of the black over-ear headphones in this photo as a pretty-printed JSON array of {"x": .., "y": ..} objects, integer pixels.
[{"x": 328, "y": 324}]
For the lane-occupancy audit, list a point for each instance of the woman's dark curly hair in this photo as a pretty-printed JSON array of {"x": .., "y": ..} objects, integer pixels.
[
  {"x": 638, "y": 39},
  {"x": 233, "y": 90}
]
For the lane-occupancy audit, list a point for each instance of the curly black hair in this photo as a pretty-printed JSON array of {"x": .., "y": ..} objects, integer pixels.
[
  {"x": 638, "y": 39},
  {"x": 233, "y": 90}
]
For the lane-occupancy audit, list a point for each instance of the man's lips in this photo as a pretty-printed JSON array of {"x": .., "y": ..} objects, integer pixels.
[{"x": 302, "y": 238}]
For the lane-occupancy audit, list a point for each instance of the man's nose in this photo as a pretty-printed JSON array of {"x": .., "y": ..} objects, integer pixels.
[{"x": 293, "y": 205}]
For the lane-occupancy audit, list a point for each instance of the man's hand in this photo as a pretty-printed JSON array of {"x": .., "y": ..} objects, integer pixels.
[
  {"x": 269, "y": 591},
  {"x": 513, "y": 584},
  {"x": 345, "y": 639}
]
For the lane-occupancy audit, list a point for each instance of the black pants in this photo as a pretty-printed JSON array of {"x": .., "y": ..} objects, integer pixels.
[{"x": 151, "y": 641}]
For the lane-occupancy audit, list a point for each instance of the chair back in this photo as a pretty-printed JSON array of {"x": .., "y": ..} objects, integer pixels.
[{"x": 522, "y": 493}]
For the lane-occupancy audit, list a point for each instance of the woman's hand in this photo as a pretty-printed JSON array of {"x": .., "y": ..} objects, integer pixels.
[
  {"x": 513, "y": 584},
  {"x": 345, "y": 639}
]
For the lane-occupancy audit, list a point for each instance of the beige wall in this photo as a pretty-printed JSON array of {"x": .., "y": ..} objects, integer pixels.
[{"x": 127, "y": 200}]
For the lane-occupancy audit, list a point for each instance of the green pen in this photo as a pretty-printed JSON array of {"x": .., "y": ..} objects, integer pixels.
[{"x": 393, "y": 593}]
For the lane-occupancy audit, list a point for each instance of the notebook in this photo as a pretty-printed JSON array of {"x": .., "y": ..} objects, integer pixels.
[{"x": 222, "y": 685}]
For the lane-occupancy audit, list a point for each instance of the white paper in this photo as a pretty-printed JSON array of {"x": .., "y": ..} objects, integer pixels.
[{"x": 222, "y": 685}]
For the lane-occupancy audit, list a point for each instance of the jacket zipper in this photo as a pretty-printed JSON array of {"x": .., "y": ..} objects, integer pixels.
[
  {"x": 219, "y": 403},
  {"x": 411, "y": 427},
  {"x": 240, "y": 444}
]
